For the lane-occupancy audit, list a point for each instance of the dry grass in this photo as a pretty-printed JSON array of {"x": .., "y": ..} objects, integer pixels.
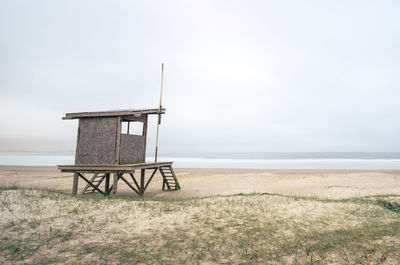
[{"x": 42, "y": 226}]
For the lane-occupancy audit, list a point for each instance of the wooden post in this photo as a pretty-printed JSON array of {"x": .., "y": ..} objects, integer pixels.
[
  {"x": 115, "y": 183},
  {"x": 118, "y": 141},
  {"x": 159, "y": 111},
  {"x": 75, "y": 184},
  {"x": 107, "y": 184},
  {"x": 144, "y": 134},
  {"x": 142, "y": 175}
]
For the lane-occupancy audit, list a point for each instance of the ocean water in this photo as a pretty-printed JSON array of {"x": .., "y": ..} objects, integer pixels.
[{"x": 298, "y": 160}]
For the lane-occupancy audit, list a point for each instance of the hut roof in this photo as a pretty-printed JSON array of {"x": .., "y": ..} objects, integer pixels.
[{"x": 111, "y": 113}]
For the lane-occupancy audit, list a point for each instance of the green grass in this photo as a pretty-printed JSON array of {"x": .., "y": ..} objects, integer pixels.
[
  {"x": 395, "y": 207},
  {"x": 46, "y": 226}
]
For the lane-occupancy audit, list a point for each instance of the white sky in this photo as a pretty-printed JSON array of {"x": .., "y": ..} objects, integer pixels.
[{"x": 241, "y": 76}]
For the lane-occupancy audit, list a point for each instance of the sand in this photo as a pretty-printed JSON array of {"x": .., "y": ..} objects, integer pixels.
[{"x": 209, "y": 182}]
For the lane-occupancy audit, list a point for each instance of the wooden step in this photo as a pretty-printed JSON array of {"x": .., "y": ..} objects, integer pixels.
[
  {"x": 96, "y": 180},
  {"x": 169, "y": 178}
]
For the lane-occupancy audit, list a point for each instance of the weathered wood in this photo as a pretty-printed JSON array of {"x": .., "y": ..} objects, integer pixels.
[
  {"x": 90, "y": 183},
  {"x": 134, "y": 181},
  {"x": 159, "y": 112},
  {"x": 148, "y": 182},
  {"x": 130, "y": 186},
  {"x": 177, "y": 185},
  {"x": 141, "y": 118},
  {"x": 97, "y": 141},
  {"x": 169, "y": 178},
  {"x": 130, "y": 112},
  {"x": 115, "y": 183},
  {"x": 133, "y": 149},
  {"x": 118, "y": 141},
  {"x": 77, "y": 143},
  {"x": 142, "y": 175},
  {"x": 165, "y": 181},
  {"x": 111, "y": 168},
  {"x": 144, "y": 133},
  {"x": 91, "y": 180},
  {"x": 107, "y": 184},
  {"x": 75, "y": 184}
]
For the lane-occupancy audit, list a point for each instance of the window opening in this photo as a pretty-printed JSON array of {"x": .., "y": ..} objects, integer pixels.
[{"x": 132, "y": 127}]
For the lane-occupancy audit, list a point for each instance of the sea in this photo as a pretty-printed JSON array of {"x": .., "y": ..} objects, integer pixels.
[{"x": 287, "y": 160}]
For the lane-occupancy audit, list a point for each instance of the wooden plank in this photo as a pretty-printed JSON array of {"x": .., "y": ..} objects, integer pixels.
[
  {"x": 144, "y": 134},
  {"x": 151, "y": 177},
  {"x": 118, "y": 141},
  {"x": 142, "y": 175},
  {"x": 134, "y": 181},
  {"x": 130, "y": 186},
  {"x": 115, "y": 183},
  {"x": 107, "y": 188},
  {"x": 77, "y": 142},
  {"x": 111, "y": 168},
  {"x": 165, "y": 181},
  {"x": 75, "y": 184},
  {"x": 133, "y": 149},
  {"x": 131, "y": 112},
  {"x": 97, "y": 141},
  {"x": 91, "y": 180},
  {"x": 91, "y": 184},
  {"x": 177, "y": 185}
]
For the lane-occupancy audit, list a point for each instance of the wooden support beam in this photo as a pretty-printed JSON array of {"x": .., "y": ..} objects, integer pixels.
[
  {"x": 115, "y": 183},
  {"x": 118, "y": 141},
  {"x": 75, "y": 184},
  {"x": 90, "y": 183},
  {"x": 107, "y": 188},
  {"x": 151, "y": 177},
  {"x": 142, "y": 175},
  {"x": 134, "y": 181},
  {"x": 103, "y": 173},
  {"x": 129, "y": 168},
  {"x": 124, "y": 113},
  {"x": 91, "y": 180},
  {"x": 130, "y": 186}
]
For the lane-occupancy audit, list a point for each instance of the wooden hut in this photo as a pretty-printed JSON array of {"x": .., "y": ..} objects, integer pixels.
[{"x": 114, "y": 142}]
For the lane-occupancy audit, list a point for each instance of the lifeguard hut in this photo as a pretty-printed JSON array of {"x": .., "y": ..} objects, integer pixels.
[{"x": 104, "y": 148}]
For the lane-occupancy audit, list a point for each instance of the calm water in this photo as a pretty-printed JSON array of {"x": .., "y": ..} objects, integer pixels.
[{"x": 238, "y": 160}]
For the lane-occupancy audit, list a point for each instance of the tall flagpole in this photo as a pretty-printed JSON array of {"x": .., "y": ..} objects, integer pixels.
[{"x": 159, "y": 110}]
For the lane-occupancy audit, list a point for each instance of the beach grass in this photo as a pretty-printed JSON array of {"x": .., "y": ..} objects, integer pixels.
[{"x": 47, "y": 227}]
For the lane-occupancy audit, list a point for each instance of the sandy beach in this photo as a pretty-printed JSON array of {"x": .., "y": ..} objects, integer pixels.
[
  {"x": 340, "y": 217},
  {"x": 208, "y": 182}
]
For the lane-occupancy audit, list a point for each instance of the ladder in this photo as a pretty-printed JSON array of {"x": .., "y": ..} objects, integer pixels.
[
  {"x": 95, "y": 180},
  {"x": 169, "y": 178}
]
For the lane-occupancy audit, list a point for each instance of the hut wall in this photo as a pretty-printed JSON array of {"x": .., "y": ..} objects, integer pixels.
[
  {"x": 133, "y": 149},
  {"x": 97, "y": 141}
]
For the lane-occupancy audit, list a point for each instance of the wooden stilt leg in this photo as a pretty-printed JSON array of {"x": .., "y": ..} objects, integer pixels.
[
  {"x": 142, "y": 174},
  {"x": 163, "y": 182},
  {"x": 75, "y": 184},
  {"x": 107, "y": 184},
  {"x": 115, "y": 183}
]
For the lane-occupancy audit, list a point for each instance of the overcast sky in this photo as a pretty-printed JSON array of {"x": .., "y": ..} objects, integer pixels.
[{"x": 241, "y": 76}]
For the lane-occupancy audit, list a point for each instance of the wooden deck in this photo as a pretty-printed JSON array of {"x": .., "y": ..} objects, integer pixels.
[
  {"x": 112, "y": 168},
  {"x": 113, "y": 113},
  {"x": 103, "y": 173}
]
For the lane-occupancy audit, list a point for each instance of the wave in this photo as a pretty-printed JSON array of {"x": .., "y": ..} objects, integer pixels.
[{"x": 298, "y": 162}]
